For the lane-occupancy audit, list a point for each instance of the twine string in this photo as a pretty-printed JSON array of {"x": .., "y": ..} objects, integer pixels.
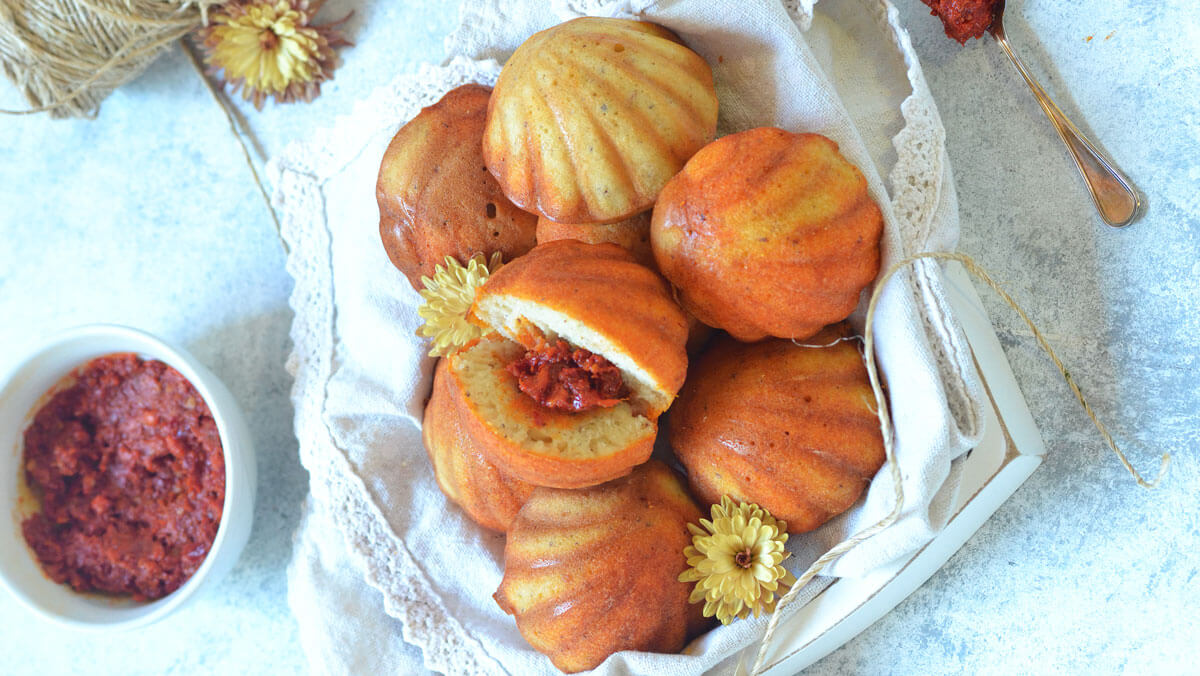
[
  {"x": 119, "y": 58},
  {"x": 885, "y": 426},
  {"x": 178, "y": 19},
  {"x": 86, "y": 48},
  {"x": 237, "y": 135}
]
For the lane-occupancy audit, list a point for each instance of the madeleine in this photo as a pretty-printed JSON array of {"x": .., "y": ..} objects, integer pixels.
[
  {"x": 435, "y": 197},
  {"x": 768, "y": 233},
  {"x": 790, "y": 428},
  {"x": 591, "y": 118}
]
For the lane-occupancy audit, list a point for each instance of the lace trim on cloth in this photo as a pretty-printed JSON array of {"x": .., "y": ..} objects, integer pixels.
[
  {"x": 298, "y": 175},
  {"x": 921, "y": 172},
  {"x": 801, "y": 12}
]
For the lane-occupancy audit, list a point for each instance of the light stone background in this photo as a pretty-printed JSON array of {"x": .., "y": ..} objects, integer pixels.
[{"x": 146, "y": 216}]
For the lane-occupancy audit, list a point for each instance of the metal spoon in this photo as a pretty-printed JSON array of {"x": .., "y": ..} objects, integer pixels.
[{"x": 1113, "y": 193}]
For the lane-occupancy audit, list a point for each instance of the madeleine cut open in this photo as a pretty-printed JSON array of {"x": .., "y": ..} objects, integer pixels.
[
  {"x": 591, "y": 350},
  {"x": 490, "y": 497}
]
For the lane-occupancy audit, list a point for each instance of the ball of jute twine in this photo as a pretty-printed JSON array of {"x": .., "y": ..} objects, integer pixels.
[
  {"x": 885, "y": 425},
  {"x": 66, "y": 56}
]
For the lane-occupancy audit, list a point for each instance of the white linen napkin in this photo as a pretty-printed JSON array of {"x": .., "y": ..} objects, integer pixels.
[{"x": 362, "y": 378}]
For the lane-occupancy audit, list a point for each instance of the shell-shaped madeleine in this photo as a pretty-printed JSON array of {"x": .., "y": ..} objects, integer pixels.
[
  {"x": 790, "y": 428},
  {"x": 595, "y": 296},
  {"x": 768, "y": 233},
  {"x": 437, "y": 199},
  {"x": 534, "y": 443},
  {"x": 591, "y": 572},
  {"x": 591, "y": 118},
  {"x": 488, "y": 495},
  {"x": 631, "y": 234}
]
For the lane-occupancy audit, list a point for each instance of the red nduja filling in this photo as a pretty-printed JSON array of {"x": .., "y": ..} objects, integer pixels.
[
  {"x": 128, "y": 468},
  {"x": 964, "y": 19},
  {"x": 558, "y": 377}
]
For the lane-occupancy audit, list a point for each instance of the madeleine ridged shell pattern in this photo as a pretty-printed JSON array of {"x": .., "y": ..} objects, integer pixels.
[
  {"x": 631, "y": 234},
  {"x": 591, "y": 572},
  {"x": 591, "y": 118},
  {"x": 768, "y": 233},
  {"x": 790, "y": 428},
  {"x": 435, "y": 196},
  {"x": 489, "y": 496},
  {"x": 603, "y": 286}
]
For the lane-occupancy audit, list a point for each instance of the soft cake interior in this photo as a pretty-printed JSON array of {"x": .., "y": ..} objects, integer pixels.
[
  {"x": 523, "y": 321},
  {"x": 493, "y": 394}
]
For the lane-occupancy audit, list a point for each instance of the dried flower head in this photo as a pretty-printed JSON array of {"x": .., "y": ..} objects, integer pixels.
[
  {"x": 448, "y": 298},
  {"x": 269, "y": 48},
  {"x": 735, "y": 561}
]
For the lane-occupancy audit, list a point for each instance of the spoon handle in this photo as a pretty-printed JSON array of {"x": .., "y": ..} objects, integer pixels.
[{"x": 1114, "y": 195}]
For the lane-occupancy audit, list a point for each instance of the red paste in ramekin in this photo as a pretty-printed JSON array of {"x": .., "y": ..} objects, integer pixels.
[{"x": 127, "y": 466}]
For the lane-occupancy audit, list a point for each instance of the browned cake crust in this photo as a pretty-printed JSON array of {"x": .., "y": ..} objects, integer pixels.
[
  {"x": 790, "y": 428},
  {"x": 632, "y": 234},
  {"x": 437, "y": 199},
  {"x": 768, "y": 233},
  {"x": 588, "y": 573},
  {"x": 602, "y": 285},
  {"x": 590, "y": 118},
  {"x": 489, "y": 496}
]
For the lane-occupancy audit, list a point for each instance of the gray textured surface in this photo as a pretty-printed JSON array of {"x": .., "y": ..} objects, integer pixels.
[
  {"x": 1080, "y": 571},
  {"x": 146, "y": 216}
]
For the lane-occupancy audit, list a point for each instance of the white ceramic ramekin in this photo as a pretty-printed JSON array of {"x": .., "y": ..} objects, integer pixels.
[{"x": 24, "y": 390}]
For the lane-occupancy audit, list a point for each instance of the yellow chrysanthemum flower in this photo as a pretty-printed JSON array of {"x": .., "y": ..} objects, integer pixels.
[
  {"x": 448, "y": 298},
  {"x": 268, "y": 48},
  {"x": 735, "y": 561}
]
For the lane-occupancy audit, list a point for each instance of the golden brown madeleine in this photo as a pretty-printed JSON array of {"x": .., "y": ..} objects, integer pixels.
[
  {"x": 790, "y": 428},
  {"x": 768, "y": 233},
  {"x": 534, "y": 443},
  {"x": 590, "y": 118},
  {"x": 435, "y": 197},
  {"x": 613, "y": 317},
  {"x": 596, "y": 297},
  {"x": 592, "y": 572},
  {"x": 489, "y": 496},
  {"x": 631, "y": 234}
]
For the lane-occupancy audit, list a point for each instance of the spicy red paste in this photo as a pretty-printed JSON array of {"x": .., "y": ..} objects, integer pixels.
[
  {"x": 559, "y": 377},
  {"x": 128, "y": 468},
  {"x": 965, "y": 19}
]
